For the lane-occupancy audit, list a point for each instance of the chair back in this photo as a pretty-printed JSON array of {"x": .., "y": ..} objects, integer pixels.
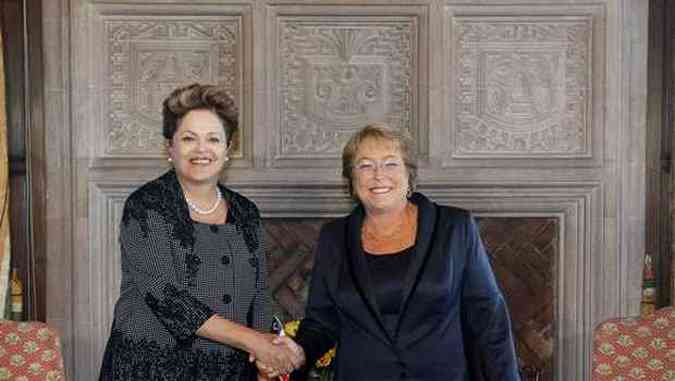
[
  {"x": 635, "y": 348},
  {"x": 29, "y": 351}
]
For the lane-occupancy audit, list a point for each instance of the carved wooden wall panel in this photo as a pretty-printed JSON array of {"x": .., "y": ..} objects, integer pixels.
[
  {"x": 335, "y": 74},
  {"x": 149, "y": 58},
  {"x": 339, "y": 75},
  {"x": 522, "y": 85},
  {"x": 145, "y": 55}
]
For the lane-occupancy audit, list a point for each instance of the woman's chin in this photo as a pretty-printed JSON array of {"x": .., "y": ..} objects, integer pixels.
[
  {"x": 194, "y": 178},
  {"x": 380, "y": 206}
]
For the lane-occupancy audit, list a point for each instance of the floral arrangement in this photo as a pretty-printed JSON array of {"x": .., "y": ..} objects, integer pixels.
[{"x": 322, "y": 365}]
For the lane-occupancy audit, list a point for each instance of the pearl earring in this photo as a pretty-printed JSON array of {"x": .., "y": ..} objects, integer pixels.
[
  {"x": 169, "y": 159},
  {"x": 226, "y": 159}
]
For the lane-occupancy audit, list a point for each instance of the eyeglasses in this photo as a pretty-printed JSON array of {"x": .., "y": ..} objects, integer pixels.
[{"x": 369, "y": 167}]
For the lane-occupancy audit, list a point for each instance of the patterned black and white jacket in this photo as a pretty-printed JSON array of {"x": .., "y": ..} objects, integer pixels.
[{"x": 176, "y": 273}]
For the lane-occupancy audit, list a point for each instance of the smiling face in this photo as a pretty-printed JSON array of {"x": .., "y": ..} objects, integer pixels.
[
  {"x": 198, "y": 148},
  {"x": 380, "y": 177}
]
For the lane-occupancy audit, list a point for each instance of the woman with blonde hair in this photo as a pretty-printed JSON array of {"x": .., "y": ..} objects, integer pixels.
[{"x": 403, "y": 285}]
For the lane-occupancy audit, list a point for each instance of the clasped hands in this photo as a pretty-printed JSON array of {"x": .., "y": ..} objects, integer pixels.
[{"x": 276, "y": 355}]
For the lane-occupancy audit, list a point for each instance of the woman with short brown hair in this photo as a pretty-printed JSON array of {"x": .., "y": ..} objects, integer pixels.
[{"x": 194, "y": 303}]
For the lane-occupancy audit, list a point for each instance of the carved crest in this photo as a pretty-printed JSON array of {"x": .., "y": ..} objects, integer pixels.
[
  {"x": 336, "y": 76},
  {"x": 522, "y": 88},
  {"x": 150, "y": 58},
  {"x": 346, "y": 94}
]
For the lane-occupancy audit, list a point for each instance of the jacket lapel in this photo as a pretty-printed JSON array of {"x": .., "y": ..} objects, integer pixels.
[
  {"x": 426, "y": 221},
  {"x": 360, "y": 272}
]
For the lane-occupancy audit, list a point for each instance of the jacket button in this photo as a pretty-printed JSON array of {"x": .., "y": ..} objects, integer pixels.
[
  {"x": 253, "y": 261},
  {"x": 225, "y": 260},
  {"x": 227, "y": 298}
]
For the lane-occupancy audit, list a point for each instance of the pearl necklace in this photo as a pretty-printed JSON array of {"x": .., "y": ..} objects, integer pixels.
[{"x": 199, "y": 210}]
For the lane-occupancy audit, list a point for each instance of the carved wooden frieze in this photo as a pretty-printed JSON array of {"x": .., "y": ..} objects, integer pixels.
[
  {"x": 147, "y": 58},
  {"x": 336, "y": 75},
  {"x": 522, "y": 86}
]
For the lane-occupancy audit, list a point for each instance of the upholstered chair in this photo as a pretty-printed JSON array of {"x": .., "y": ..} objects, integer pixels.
[
  {"x": 635, "y": 348},
  {"x": 29, "y": 351}
]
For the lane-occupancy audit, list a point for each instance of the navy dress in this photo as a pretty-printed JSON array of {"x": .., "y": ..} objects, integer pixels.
[{"x": 452, "y": 322}]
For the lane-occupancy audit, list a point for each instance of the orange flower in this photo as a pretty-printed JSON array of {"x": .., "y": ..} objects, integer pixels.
[{"x": 326, "y": 359}]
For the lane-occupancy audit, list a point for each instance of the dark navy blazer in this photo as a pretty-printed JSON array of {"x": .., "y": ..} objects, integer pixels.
[{"x": 453, "y": 322}]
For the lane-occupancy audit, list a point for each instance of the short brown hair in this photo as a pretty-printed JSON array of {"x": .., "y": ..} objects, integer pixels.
[
  {"x": 199, "y": 97},
  {"x": 380, "y": 131}
]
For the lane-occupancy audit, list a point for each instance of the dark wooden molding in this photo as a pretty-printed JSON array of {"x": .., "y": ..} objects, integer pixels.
[
  {"x": 36, "y": 162},
  {"x": 659, "y": 149},
  {"x": 21, "y": 22},
  {"x": 14, "y": 64},
  {"x": 17, "y": 166}
]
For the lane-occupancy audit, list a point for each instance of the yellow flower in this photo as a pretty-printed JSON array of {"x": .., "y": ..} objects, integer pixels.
[{"x": 291, "y": 329}]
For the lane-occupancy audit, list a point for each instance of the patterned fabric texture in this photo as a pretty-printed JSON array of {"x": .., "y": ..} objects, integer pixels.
[
  {"x": 29, "y": 351},
  {"x": 177, "y": 273},
  {"x": 627, "y": 349}
]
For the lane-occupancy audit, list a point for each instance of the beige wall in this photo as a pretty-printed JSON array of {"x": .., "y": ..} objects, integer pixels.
[{"x": 518, "y": 110}]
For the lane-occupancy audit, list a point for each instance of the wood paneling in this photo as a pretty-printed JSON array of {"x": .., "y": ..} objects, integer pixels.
[
  {"x": 557, "y": 97},
  {"x": 23, "y": 68},
  {"x": 36, "y": 159}
]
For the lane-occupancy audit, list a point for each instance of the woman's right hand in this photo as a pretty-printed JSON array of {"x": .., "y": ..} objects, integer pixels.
[{"x": 279, "y": 358}]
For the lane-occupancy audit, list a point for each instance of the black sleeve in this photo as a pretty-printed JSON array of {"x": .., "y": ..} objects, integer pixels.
[
  {"x": 147, "y": 261},
  {"x": 319, "y": 329},
  {"x": 486, "y": 322}
]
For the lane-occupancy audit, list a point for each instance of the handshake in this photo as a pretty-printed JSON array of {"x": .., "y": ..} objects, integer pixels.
[{"x": 276, "y": 355}]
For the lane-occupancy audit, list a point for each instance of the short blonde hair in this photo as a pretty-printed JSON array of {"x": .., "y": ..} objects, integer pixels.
[{"x": 401, "y": 138}]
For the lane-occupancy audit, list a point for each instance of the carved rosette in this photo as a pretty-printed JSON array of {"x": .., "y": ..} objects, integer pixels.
[
  {"x": 148, "y": 59},
  {"x": 336, "y": 76},
  {"x": 522, "y": 88}
]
